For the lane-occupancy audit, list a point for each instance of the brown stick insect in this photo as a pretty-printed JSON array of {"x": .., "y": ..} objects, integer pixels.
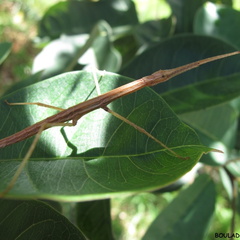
[{"x": 74, "y": 113}]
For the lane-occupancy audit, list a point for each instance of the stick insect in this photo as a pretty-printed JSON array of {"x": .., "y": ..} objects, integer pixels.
[{"x": 74, "y": 113}]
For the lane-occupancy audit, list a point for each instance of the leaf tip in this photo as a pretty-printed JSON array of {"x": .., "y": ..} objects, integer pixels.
[{"x": 216, "y": 150}]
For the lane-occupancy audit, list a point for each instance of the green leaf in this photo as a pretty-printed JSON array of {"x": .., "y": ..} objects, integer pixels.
[
  {"x": 188, "y": 216},
  {"x": 5, "y": 48},
  {"x": 78, "y": 17},
  {"x": 184, "y": 11},
  {"x": 203, "y": 94},
  {"x": 218, "y": 21},
  {"x": 94, "y": 219},
  {"x": 101, "y": 156},
  {"x": 34, "y": 220},
  {"x": 180, "y": 50},
  {"x": 197, "y": 89}
]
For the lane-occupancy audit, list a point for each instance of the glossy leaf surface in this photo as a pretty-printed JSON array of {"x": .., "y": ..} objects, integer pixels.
[
  {"x": 201, "y": 96},
  {"x": 101, "y": 156}
]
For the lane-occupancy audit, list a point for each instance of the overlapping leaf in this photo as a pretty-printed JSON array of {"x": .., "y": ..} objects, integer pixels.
[
  {"x": 180, "y": 50},
  {"x": 101, "y": 156},
  {"x": 196, "y": 95},
  {"x": 34, "y": 219}
]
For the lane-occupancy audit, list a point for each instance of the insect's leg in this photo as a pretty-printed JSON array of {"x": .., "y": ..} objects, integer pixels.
[
  {"x": 28, "y": 155},
  {"x": 142, "y": 130},
  {"x": 96, "y": 82},
  {"x": 36, "y": 103}
]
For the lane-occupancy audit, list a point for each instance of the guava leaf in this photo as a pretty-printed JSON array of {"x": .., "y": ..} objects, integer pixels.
[{"x": 101, "y": 156}]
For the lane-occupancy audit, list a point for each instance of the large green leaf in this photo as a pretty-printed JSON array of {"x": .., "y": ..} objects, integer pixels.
[
  {"x": 78, "y": 17},
  {"x": 188, "y": 216},
  {"x": 34, "y": 220},
  {"x": 207, "y": 86},
  {"x": 180, "y": 50},
  {"x": 101, "y": 156},
  {"x": 218, "y": 21},
  {"x": 204, "y": 94}
]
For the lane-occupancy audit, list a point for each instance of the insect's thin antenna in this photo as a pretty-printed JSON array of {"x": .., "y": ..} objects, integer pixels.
[{"x": 35, "y": 103}]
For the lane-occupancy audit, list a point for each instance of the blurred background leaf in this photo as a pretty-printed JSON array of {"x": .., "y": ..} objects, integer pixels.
[
  {"x": 68, "y": 17},
  {"x": 75, "y": 52},
  {"x": 24, "y": 219},
  {"x": 95, "y": 220},
  {"x": 178, "y": 220},
  {"x": 219, "y": 21},
  {"x": 5, "y": 49}
]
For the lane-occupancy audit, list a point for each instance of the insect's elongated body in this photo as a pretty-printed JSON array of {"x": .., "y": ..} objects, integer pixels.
[{"x": 77, "y": 111}]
